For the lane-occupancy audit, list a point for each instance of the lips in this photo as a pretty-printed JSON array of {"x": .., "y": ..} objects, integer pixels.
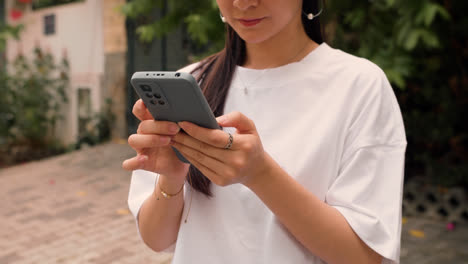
[{"x": 250, "y": 22}]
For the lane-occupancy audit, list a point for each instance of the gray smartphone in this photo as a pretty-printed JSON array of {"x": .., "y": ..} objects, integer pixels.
[{"x": 175, "y": 97}]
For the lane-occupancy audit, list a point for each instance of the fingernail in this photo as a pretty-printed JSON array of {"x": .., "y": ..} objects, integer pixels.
[
  {"x": 173, "y": 128},
  {"x": 142, "y": 158},
  {"x": 221, "y": 119},
  {"x": 182, "y": 124},
  {"x": 165, "y": 140}
]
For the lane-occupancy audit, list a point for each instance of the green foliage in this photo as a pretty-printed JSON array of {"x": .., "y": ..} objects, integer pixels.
[
  {"x": 7, "y": 31},
  {"x": 98, "y": 127},
  {"x": 388, "y": 32},
  {"x": 420, "y": 44},
  {"x": 200, "y": 18},
  {"x": 30, "y": 105}
]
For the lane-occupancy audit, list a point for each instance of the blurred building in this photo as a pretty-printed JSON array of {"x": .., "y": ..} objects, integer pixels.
[
  {"x": 92, "y": 34},
  {"x": 103, "y": 50}
]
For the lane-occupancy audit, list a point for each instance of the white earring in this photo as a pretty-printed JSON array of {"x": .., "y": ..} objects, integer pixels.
[
  {"x": 222, "y": 18},
  {"x": 311, "y": 16}
]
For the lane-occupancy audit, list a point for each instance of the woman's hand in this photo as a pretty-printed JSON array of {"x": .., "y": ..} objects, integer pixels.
[
  {"x": 152, "y": 146},
  {"x": 205, "y": 149}
]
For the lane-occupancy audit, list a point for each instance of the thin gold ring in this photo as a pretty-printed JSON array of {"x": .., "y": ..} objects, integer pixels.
[{"x": 229, "y": 144}]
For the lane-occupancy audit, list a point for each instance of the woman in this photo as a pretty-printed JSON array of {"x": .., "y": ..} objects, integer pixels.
[{"x": 312, "y": 170}]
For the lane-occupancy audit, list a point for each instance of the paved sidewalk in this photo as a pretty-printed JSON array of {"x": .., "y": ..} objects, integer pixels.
[
  {"x": 429, "y": 242},
  {"x": 73, "y": 209}
]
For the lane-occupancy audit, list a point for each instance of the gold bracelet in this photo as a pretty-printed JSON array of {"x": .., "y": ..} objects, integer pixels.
[{"x": 167, "y": 195}]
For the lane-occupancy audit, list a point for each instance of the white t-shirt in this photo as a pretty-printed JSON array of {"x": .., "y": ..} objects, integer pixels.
[{"x": 333, "y": 123}]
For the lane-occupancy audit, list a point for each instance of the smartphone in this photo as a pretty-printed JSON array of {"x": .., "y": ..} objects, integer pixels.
[{"x": 175, "y": 97}]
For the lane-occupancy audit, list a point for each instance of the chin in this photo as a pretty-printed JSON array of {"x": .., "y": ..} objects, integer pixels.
[{"x": 252, "y": 38}]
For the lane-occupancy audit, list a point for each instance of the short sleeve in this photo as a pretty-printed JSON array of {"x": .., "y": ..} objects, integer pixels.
[
  {"x": 368, "y": 188},
  {"x": 141, "y": 187}
]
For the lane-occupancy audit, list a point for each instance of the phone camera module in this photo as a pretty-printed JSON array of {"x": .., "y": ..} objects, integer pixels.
[{"x": 145, "y": 87}]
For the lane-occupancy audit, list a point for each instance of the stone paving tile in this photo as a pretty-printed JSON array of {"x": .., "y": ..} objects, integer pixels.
[
  {"x": 9, "y": 258},
  {"x": 433, "y": 243},
  {"x": 20, "y": 189},
  {"x": 73, "y": 209},
  {"x": 74, "y": 212},
  {"x": 111, "y": 256}
]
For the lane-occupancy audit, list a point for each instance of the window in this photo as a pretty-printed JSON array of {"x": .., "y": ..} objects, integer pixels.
[{"x": 49, "y": 24}]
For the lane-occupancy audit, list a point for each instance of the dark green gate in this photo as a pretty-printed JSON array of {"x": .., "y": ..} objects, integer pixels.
[{"x": 169, "y": 53}]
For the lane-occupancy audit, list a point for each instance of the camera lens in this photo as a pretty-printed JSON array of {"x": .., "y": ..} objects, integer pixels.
[
  {"x": 152, "y": 102},
  {"x": 161, "y": 102},
  {"x": 145, "y": 87},
  {"x": 157, "y": 95},
  {"x": 177, "y": 74}
]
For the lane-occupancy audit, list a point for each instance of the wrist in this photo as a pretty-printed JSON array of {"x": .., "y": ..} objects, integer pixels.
[
  {"x": 262, "y": 173},
  {"x": 170, "y": 185}
]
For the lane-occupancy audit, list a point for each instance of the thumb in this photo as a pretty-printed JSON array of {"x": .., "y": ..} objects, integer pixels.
[{"x": 236, "y": 119}]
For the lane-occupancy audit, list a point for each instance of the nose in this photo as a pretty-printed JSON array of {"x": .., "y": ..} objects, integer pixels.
[{"x": 245, "y": 4}]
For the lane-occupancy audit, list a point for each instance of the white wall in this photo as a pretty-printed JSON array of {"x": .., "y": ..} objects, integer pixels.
[{"x": 79, "y": 34}]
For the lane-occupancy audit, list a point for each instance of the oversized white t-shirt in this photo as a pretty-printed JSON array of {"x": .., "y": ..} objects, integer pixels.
[{"x": 333, "y": 123}]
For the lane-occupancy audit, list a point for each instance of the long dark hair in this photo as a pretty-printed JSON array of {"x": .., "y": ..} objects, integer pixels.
[{"x": 215, "y": 73}]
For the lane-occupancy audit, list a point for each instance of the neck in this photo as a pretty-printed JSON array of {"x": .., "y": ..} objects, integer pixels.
[{"x": 285, "y": 47}]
